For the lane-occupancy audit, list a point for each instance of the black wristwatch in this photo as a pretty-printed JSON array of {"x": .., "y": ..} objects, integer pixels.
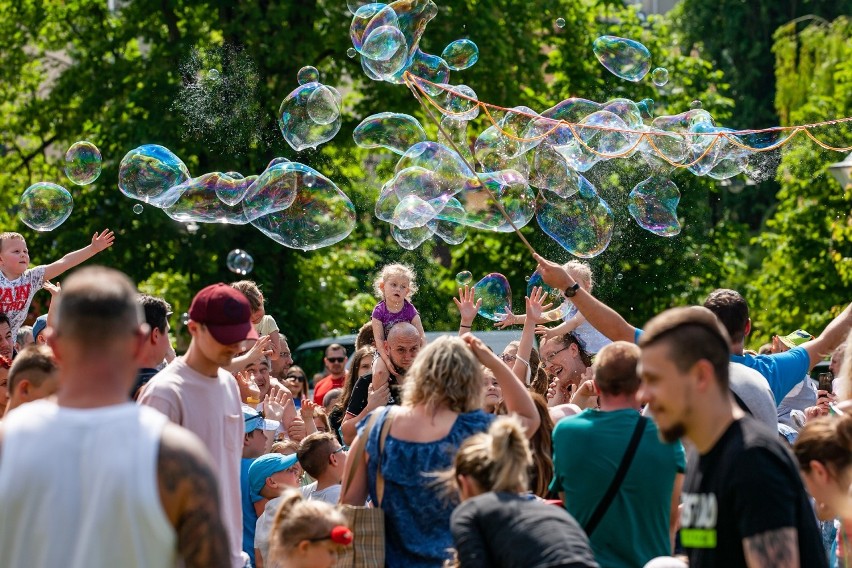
[{"x": 571, "y": 291}]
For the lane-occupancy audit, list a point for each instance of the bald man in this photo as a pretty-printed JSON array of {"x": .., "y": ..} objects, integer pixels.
[{"x": 402, "y": 346}]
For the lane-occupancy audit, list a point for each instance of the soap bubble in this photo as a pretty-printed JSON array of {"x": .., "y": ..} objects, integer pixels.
[
  {"x": 213, "y": 74},
  {"x": 307, "y": 74},
  {"x": 240, "y": 262},
  {"x": 660, "y": 76},
  {"x": 310, "y": 116},
  {"x": 496, "y": 296},
  {"x": 322, "y": 106},
  {"x": 83, "y": 163},
  {"x": 581, "y": 224},
  {"x": 653, "y": 204},
  {"x": 696, "y": 104},
  {"x": 460, "y": 54},
  {"x": 351, "y": 52},
  {"x": 624, "y": 58},
  {"x": 461, "y": 103},
  {"x": 275, "y": 189},
  {"x": 464, "y": 278},
  {"x": 512, "y": 192},
  {"x": 550, "y": 295},
  {"x": 147, "y": 173},
  {"x": 369, "y": 18},
  {"x": 560, "y": 23},
  {"x": 619, "y": 276},
  {"x": 45, "y": 206},
  {"x": 320, "y": 215},
  {"x": 383, "y": 43},
  {"x": 211, "y": 198},
  {"x": 432, "y": 68},
  {"x": 354, "y": 5},
  {"x": 394, "y": 131},
  {"x": 138, "y": 208}
]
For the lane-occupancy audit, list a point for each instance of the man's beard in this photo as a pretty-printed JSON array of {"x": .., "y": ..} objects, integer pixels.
[{"x": 673, "y": 434}]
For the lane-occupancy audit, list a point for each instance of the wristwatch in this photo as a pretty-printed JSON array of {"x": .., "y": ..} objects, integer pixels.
[{"x": 571, "y": 291}]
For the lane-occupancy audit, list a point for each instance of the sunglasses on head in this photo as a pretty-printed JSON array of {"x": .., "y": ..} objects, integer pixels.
[{"x": 336, "y": 359}]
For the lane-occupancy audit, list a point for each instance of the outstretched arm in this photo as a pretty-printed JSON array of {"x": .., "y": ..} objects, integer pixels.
[
  {"x": 534, "y": 315},
  {"x": 190, "y": 497},
  {"x": 468, "y": 308},
  {"x": 100, "y": 241},
  {"x": 833, "y": 334},
  {"x": 602, "y": 317}
]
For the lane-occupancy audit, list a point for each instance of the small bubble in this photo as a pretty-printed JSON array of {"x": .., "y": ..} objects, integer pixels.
[
  {"x": 660, "y": 76},
  {"x": 619, "y": 276},
  {"x": 308, "y": 74},
  {"x": 213, "y": 74},
  {"x": 464, "y": 278},
  {"x": 696, "y": 104},
  {"x": 560, "y": 23},
  {"x": 138, "y": 209},
  {"x": 240, "y": 262},
  {"x": 351, "y": 52}
]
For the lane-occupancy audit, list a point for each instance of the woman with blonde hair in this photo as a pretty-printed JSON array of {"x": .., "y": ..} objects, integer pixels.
[
  {"x": 498, "y": 524},
  {"x": 307, "y": 534},
  {"x": 441, "y": 407}
]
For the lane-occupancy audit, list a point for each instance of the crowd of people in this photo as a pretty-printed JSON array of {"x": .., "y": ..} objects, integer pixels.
[{"x": 588, "y": 442}]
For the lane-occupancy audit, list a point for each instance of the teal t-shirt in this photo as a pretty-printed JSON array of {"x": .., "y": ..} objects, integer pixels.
[{"x": 587, "y": 449}]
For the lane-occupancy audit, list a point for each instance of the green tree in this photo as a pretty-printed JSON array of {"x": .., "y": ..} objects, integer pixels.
[{"x": 806, "y": 275}]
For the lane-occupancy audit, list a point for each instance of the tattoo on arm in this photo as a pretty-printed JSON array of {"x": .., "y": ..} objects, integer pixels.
[
  {"x": 190, "y": 496},
  {"x": 776, "y": 549}
]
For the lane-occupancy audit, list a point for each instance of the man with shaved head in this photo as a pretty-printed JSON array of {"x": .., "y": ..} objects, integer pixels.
[
  {"x": 91, "y": 479},
  {"x": 402, "y": 345}
]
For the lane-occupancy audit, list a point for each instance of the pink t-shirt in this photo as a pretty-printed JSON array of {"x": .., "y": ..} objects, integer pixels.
[{"x": 209, "y": 407}]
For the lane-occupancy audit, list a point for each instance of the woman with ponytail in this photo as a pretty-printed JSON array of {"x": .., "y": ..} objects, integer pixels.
[
  {"x": 306, "y": 534},
  {"x": 498, "y": 524}
]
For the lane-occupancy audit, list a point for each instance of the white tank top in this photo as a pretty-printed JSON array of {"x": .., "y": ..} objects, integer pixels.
[{"x": 78, "y": 488}]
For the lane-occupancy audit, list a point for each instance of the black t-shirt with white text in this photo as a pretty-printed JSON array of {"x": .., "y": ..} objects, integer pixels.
[{"x": 747, "y": 484}]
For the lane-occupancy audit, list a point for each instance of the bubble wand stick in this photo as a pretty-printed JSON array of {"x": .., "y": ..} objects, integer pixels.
[{"x": 468, "y": 164}]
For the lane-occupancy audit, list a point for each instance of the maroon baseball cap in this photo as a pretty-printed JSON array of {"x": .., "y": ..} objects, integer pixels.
[{"x": 226, "y": 313}]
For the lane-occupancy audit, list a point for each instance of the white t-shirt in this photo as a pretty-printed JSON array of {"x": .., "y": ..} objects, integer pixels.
[
  {"x": 16, "y": 296},
  {"x": 210, "y": 407},
  {"x": 330, "y": 495}
]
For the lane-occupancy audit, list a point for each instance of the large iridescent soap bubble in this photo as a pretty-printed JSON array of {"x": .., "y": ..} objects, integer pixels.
[
  {"x": 496, "y": 296},
  {"x": 44, "y": 206},
  {"x": 275, "y": 189},
  {"x": 310, "y": 115},
  {"x": 201, "y": 199},
  {"x": 581, "y": 224},
  {"x": 320, "y": 215},
  {"x": 393, "y": 131},
  {"x": 653, "y": 204},
  {"x": 148, "y": 172},
  {"x": 460, "y": 54},
  {"x": 240, "y": 262},
  {"x": 83, "y": 163},
  {"x": 624, "y": 58},
  {"x": 515, "y": 198}
]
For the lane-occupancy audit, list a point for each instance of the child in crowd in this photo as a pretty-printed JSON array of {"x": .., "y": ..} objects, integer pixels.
[
  {"x": 593, "y": 340},
  {"x": 323, "y": 458},
  {"x": 32, "y": 376},
  {"x": 302, "y": 534},
  {"x": 263, "y": 323},
  {"x": 25, "y": 337},
  {"x": 395, "y": 285},
  {"x": 296, "y": 382},
  {"x": 269, "y": 475},
  {"x": 19, "y": 283}
]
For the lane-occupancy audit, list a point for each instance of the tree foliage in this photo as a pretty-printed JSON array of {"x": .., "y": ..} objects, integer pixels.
[
  {"x": 806, "y": 276},
  {"x": 74, "y": 70}
]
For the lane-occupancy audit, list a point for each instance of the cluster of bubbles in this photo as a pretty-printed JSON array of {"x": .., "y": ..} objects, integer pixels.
[
  {"x": 527, "y": 164},
  {"x": 310, "y": 115},
  {"x": 387, "y": 37},
  {"x": 45, "y": 205},
  {"x": 289, "y": 202},
  {"x": 240, "y": 262}
]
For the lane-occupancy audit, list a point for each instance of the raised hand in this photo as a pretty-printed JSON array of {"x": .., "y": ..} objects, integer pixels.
[
  {"x": 103, "y": 240},
  {"x": 307, "y": 410},
  {"x": 553, "y": 274},
  {"x": 509, "y": 319},
  {"x": 249, "y": 393},
  {"x": 54, "y": 289},
  {"x": 585, "y": 395},
  {"x": 468, "y": 308},
  {"x": 273, "y": 403},
  {"x": 546, "y": 332},
  {"x": 535, "y": 308}
]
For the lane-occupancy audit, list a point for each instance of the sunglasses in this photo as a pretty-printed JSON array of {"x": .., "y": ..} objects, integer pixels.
[
  {"x": 508, "y": 358},
  {"x": 296, "y": 377},
  {"x": 336, "y": 359}
]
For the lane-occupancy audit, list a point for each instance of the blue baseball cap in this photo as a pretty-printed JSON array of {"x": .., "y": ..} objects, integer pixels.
[
  {"x": 38, "y": 326},
  {"x": 255, "y": 421},
  {"x": 263, "y": 467}
]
